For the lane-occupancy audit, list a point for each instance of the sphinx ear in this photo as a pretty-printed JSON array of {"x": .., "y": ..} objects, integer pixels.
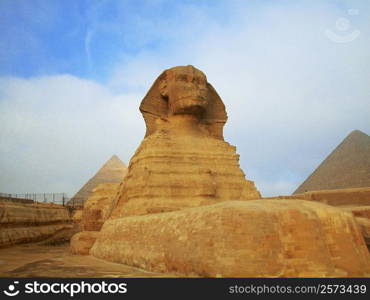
[{"x": 163, "y": 88}]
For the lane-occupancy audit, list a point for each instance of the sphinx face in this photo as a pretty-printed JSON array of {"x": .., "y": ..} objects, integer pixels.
[{"x": 186, "y": 89}]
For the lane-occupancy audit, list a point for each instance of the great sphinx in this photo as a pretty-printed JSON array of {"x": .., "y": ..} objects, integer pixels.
[
  {"x": 183, "y": 160},
  {"x": 181, "y": 207}
]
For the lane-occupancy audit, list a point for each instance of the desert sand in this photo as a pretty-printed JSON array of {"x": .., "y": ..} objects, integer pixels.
[{"x": 35, "y": 260}]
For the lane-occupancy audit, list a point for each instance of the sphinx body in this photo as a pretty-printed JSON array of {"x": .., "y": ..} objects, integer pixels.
[{"x": 183, "y": 160}]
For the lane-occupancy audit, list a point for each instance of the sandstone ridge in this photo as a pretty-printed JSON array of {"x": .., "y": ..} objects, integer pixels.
[
  {"x": 96, "y": 210},
  {"x": 23, "y": 223},
  {"x": 98, "y": 205}
]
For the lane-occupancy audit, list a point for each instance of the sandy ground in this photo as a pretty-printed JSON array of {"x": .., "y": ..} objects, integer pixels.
[{"x": 35, "y": 260}]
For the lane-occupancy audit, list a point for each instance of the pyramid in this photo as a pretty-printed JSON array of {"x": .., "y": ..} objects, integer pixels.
[
  {"x": 112, "y": 171},
  {"x": 348, "y": 166}
]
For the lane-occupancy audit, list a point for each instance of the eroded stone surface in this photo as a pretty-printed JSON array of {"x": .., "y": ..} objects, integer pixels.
[
  {"x": 364, "y": 224},
  {"x": 77, "y": 220},
  {"x": 93, "y": 215},
  {"x": 260, "y": 238},
  {"x": 360, "y": 211},
  {"x": 340, "y": 197},
  {"x": 98, "y": 205},
  {"x": 355, "y": 201},
  {"x": 23, "y": 223},
  {"x": 183, "y": 160},
  {"x": 82, "y": 241},
  {"x": 38, "y": 213}
]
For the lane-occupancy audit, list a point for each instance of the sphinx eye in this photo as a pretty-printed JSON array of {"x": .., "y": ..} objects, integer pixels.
[
  {"x": 198, "y": 80},
  {"x": 181, "y": 78}
]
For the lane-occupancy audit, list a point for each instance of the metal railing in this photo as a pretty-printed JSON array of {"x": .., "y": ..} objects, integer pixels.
[{"x": 56, "y": 198}]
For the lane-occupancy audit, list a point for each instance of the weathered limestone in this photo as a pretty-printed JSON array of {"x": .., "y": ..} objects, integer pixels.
[
  {"x": 81, "y": 242},
  {"x": 98, "y": 205},
  {"x": 364, "y": 224},
  {"x": 340, "y": 197},
  {"x": 359, "y": 211},
  {"x": 21, "y": 223},
  {"x": 362, "y": 215},
  {"x": 258, "y": 238},
  {"x": 355, "y": 196},
  {"x": 355, "y": 201},
  {"x": 93, "y": 215},
  {"x": 30, "y": 234},
  {"x": 32, "y": 214},
  {"x": 183, "y": 160},
  {"x": 77, "y": 220}
]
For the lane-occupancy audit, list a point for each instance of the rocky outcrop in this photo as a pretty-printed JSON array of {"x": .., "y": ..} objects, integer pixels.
[
  {"x": 362, "y": 215},
  {"x": 360, "y": 211},
  {"x": 260, "y": 238},
  {"x": 21, "y": 223},
  {"x": 341, "y": 197},
  {"x": 92, "y": 217},
  {"x": 81, "y": 242},
  {"x": 355, "y": 201},
  {"x": 77, "y": 220},
  {"x": 98, "y": 205},
  {"x": 183, "y": 160},
  {"x": 365, "y": 229}
]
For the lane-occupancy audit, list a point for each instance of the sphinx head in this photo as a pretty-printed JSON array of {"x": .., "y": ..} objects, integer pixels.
[{"x": 184, "y": 90}]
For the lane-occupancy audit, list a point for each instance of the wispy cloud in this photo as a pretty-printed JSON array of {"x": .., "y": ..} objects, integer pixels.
[{"x": 88, "y": 38}]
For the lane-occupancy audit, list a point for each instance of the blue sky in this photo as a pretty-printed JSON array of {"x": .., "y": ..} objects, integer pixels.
[
  {"x": 85, "y": 38},
  {"x": 294, "y": 76}
]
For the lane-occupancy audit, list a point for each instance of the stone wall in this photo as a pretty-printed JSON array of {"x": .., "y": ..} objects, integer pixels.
[
  {"x": 21, "y": 223},
  {"x": 355, "y": 196},
  {"x": 340, "y": 197}
]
